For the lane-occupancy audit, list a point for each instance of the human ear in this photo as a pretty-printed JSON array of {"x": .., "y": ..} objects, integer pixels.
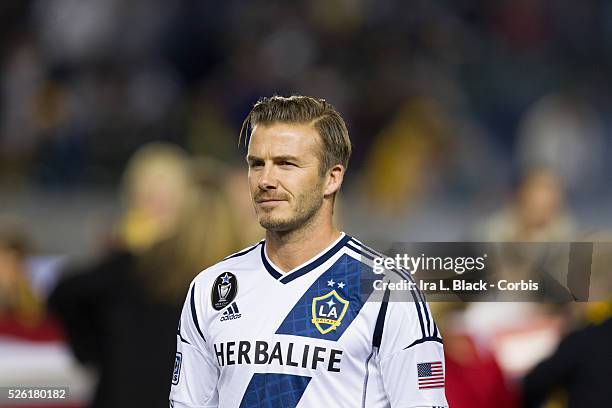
[{"x": 335, "y": 176}]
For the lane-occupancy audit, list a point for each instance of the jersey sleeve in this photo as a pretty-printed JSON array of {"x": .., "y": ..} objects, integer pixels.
[
  {"x": 410, "y": 351},
  {"x": 195, "y": 374}
]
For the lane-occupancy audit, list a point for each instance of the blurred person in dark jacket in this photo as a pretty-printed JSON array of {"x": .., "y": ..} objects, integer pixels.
[
  {"x": 120, "y": 313},
  {"x": 580, "y": 368}
]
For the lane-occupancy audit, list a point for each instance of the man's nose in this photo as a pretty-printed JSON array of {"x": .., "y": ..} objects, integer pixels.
[{"x": 268, "y": 180}]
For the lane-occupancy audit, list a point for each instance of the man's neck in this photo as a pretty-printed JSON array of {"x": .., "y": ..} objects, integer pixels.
[{"x": 290, "y": 249}]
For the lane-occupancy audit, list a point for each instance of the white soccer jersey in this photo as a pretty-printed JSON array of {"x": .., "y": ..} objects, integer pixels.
[{"x": 253, "y": 336}]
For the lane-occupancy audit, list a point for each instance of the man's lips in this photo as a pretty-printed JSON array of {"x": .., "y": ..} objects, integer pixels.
[{"x": 270, "y": 200}]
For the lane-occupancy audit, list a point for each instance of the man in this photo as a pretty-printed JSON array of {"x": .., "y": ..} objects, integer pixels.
[
  {"x": 285, "y": 323},
  {"x": 578, "y": 368}
]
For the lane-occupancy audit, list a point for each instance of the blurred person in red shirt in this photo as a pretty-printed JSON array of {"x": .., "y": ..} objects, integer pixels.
[
  {"x": 473, "y": 376},
  {"x": 120, "y": 312}
]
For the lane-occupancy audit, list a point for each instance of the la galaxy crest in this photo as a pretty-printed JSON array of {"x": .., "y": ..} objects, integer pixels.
[
  {"x": 328, "y": 311},
  {"x": 224, "y": 290}
]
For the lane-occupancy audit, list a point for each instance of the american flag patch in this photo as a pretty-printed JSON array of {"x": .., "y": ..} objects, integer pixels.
[{"x": 431, "y": 375}]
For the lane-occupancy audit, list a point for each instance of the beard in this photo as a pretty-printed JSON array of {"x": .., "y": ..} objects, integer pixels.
[{"x": 305, "y": 206}]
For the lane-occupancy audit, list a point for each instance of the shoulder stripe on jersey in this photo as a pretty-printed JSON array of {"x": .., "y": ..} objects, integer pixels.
[
  {"x": 194, "y": 316},
  {"x": 367, "y": 249},
  {"x": 178, "y": 333},
  {"x": 359, "y": 251},
  {"x": 419, "y": 300},
  {"x": 364, "y": 246},
  {"x": 421, "y": 296},
  {"x": 425, "y": 339},
  {"x": 371, "y": 258},
  {"x": 418, "y": 309},
  {"x": 373, "y": 253},
  {"x": 380, "y": 320},
  {"x": 243, "y": 252},
  {"x": 425, "y": 313},
  {"x": 406, "y": 275}
]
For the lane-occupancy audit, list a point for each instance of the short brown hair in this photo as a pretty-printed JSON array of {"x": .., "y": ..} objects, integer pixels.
[{"x": 336, "y": 144}]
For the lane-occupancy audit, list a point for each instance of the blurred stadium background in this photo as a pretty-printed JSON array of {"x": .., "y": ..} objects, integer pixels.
[{"x": 470, "y": 120}]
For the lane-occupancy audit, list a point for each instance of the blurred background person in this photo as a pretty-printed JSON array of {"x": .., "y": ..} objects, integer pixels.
[
  {"x": 578, "y": 373},
  {"x": 121, "y": 313},
  {"x": 537, "y": 211},
  {"x": 473, "y": 376},
  {"x": 18, "y": 301}
]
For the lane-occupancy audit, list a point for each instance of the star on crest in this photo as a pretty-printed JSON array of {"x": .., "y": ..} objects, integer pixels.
[
  {"x": 341, "y": 285},
  {"x": 331, "y": 283},
  {"x": 330, "y": 303},
  {"x": 226, "y": 278}
]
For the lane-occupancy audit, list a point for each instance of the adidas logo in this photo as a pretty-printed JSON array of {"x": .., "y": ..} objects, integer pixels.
[{"x": 231, "y": 313}]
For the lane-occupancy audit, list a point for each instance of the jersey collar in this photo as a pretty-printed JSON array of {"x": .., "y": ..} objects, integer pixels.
[{"x": 307, "y": 266}]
